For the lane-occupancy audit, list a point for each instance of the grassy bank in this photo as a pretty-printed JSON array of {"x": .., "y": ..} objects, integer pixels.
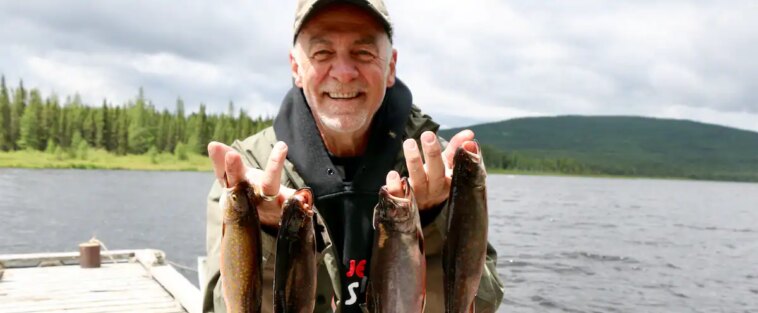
[
  {"x": 100, "y": 159},
  {"x": 594, "y": 175}
]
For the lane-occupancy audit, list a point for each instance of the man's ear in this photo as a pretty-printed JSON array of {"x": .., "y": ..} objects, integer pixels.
[
  {"x": 391, "y": 74},
  {"x": 295, "y": 68}
]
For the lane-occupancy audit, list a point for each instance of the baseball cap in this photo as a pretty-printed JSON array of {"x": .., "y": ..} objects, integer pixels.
[{"x": 306, "y": 8}]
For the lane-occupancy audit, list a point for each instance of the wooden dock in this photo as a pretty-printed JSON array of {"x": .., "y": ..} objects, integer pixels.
[{"x": 127, "y": 281}]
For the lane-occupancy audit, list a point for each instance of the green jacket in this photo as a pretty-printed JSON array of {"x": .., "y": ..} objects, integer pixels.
[{"x": 255, "y": 151}]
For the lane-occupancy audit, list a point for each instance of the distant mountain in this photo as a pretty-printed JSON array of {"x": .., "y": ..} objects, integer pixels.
[{"x": 625, "y": 145}]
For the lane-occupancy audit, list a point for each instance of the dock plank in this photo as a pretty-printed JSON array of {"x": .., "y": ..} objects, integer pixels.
[{"x": 133, "y": 284}]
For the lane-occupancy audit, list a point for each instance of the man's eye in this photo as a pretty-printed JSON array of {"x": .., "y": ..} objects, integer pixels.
[
  {"x": 322, "y": 54},
  {"x": 364, "y": 55}
]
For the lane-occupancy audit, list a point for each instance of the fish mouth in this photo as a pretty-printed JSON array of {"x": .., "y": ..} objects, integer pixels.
[
  {"x": 305, "y": 196},
  {"x": 475, "y": 157},
  {"x": 407, "y": 193},
  {"x": 397, "y": 209}
]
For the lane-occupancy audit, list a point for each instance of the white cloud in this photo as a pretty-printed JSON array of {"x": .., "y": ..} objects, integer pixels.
[
  {"x": 67, "y": 78},
  {"x": 175, "y": 67},
  {"x": 743, "y": 120},
  {"x": 483, "y": 61}
]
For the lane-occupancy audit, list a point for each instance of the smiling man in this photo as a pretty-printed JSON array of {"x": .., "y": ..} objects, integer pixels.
[{"x": 345, "y": 129}]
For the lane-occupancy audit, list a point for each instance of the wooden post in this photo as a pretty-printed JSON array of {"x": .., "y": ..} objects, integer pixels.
[{"x": 89, "y": 254}]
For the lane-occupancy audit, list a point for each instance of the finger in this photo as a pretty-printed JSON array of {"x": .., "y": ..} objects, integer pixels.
[
  {"x": 394, "y": 184},
  {"x": 435, "y": 168},
  {"x": 216, "y": 152},
  {"x": 417, "y": 176},
  {"x": 455, "y": 142},
  {"x": 272, "y": 174},
  {"x": 235, "y": 169}
]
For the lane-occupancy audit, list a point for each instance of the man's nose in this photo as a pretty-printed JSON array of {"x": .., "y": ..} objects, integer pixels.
[{"x": 344, "y": 69}]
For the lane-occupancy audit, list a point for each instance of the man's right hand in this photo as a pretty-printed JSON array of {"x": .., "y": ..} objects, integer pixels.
[{"x": 230, "y": 170}]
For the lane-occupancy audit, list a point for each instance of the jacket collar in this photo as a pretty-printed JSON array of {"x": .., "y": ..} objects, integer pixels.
[{"x": 295, "y": 126}]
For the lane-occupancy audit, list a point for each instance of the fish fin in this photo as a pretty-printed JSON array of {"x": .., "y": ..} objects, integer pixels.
[
  {"x": 369, "y": 298},
  {"x": 223, "y": 229},
  {"x": 420, "y": 236},
  {"x": 373, "y": 220},
  {"x": 423, "y": 304},
  {"x": 471, "y": 308}
]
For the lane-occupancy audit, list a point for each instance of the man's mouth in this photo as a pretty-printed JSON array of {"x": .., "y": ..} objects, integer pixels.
[{"x": 343, "y": 95}]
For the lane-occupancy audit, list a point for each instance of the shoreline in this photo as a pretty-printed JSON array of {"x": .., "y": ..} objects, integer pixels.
[{"x": 102, "y": 160}]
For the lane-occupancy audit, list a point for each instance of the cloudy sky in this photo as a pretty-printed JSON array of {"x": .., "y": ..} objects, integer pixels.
[{"x": 483, "y": 61}]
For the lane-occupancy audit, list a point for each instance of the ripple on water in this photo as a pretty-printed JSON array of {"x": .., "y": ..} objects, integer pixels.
[
  {"x": 712, "y": 228},
  {"x": 598, "y": 257},
  {"x": 549, "y": 303},
  {"x": 651, "y": 243},
  {"x": 593, "y": 225},
  {"x": 672, "y": 266},
  {"x": 562, "y": 268},
  {"x": 515, "y": 263}
]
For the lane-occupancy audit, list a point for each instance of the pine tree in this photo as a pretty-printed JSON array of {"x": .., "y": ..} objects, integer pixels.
[
  {"x": 76, "y": 118},
  {"x": 63, "y": 138},
  {"x": 219, "y": 129},
  {"x": 245, "y": 125},
  {"x": 29, "y": 122},
  {"x": 50, "y": 120},
  {"x": 17, "y": 111},
  {"x": 123, "y": 132},
  {"x": 170, "y": 133},
  {"x": 180, "y": 123},
  {"x": 200, "y": 138},
  {"x": 140, "y": 135},
  {"x": 230, "y": 129},
  {"x": 161, "y": 134},
  {"x": 89, "y": 126},
  {"x": 104, "y": 128},
  {"x": 5, "y": 117},
  {"x": 30, "y": 130}
]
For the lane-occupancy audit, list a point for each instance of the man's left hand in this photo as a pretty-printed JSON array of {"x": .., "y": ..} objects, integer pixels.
[{"x": 430, "y": 180}]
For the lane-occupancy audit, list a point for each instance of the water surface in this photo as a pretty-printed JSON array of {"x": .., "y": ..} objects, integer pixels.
[{"x": 565, "y": 244}]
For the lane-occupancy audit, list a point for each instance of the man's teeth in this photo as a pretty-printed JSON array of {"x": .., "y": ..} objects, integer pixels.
[{"x": 338, "y": 95}]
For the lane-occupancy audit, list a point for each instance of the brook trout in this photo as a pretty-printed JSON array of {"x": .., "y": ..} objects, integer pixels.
[
  {"x": 295, "y": 271},
  {"x": 397, "y": 278},
  {"x": 465, "y": 249},
  {"x": 241, "y": 259}
]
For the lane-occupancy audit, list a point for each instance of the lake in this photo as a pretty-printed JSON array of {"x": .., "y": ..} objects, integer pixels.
[{"x": 565, "y": 244}]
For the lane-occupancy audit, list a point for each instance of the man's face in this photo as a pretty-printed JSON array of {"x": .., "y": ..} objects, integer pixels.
[{"x": 344, "y": 62}]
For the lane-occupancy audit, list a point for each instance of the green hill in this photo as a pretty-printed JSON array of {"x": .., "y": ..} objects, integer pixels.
[{"x": 620, "y": 145}]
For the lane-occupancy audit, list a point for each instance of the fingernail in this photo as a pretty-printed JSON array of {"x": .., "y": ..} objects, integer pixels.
[
  {"x": 428, "y": 137},
  {"x": 394, "y": 175},
  {"x": 410, "y": 144},
  {"x": 280, "y": 146}
]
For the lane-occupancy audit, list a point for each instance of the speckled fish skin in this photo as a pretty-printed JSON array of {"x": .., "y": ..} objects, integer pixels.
[
  {"x": 296, "y": 268},
  {"x": 465, "y": 249},
  {"x": 241, "y": 258},
  {"x": 397, "y": 276}
]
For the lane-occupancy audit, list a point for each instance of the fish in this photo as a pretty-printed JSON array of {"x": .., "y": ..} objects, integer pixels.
[
  {"x": 295, "y": 270},
  {"x": 397, "y": 274},
  {"x": 241, "y": 255},
  {"x": 465, "y": 248}
]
